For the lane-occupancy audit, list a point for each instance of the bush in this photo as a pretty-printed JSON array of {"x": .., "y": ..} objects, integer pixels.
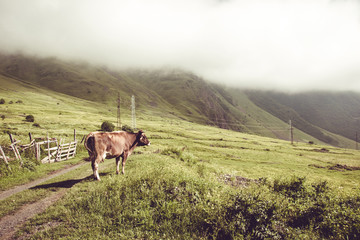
[
  {"x": 30, "y": 118},
  {"x": 107, "y": 126},
  {"x": 294, "y": 188},
  {"x": 2, "y": 101},
  {"x": 250, "y": 215},
  {"x": 2, "y": 117},
  {"x": 127, "y": 128}
]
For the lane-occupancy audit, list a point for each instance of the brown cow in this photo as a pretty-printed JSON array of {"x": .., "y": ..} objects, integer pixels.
[{"x": 101, "y": 145}]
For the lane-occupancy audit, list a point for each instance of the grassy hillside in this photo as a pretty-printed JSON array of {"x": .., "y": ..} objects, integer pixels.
[
  {"x": 183, "y": 95},
  {"x": 286, "y": 107},
  {"x": 195, "y": 98},
  {"x": 335, "y": 112},
  {"x": 193, "y": 182}
]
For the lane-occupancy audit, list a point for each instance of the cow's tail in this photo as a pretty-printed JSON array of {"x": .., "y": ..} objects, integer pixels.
[{"x": 89, "y": 143}]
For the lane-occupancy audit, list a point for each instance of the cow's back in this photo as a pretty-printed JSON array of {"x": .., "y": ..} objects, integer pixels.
[{"x": 110, "y": 142}]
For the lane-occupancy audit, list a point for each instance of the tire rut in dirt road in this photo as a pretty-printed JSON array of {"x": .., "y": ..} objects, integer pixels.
[
  {"x": 8, "y": 193},
  {"x": 10, "y": 223}
]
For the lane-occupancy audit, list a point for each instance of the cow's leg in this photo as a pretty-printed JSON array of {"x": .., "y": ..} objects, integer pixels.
[
  {"x": 117, "y": 165},
  {"x": 95, "y": 166},
  {"x": 125, "y": 155}
]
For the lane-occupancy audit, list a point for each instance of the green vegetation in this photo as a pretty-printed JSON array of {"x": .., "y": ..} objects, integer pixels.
[
  {"x": 107, "y": 126},
  {"x": 193, "y": 182},
  {"x": 170, "y": 199},
  {"x": 314, "y": 112},
  {"x": 184, "y": 95},
  {"x": 127, "y": 128},
  {"x": 30, "y": 118}
]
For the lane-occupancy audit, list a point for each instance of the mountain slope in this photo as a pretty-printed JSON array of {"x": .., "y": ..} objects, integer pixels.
[
  {"x": 175, "y": 93},
  {"x": 311, "y": 112}
]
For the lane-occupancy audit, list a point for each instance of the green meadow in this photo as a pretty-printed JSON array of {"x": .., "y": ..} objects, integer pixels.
[{"x": 193, "y": 182}]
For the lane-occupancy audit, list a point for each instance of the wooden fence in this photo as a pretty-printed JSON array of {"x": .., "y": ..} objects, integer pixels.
[
  {"x": 55, "y": 151},
  {"x": 14, "y": 148},
  {"x": 62, "y": 151},
  {"x": 4, "y": 157}
]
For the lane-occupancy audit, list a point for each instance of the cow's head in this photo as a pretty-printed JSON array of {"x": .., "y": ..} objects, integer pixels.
[{"x": 142, "y": 139}]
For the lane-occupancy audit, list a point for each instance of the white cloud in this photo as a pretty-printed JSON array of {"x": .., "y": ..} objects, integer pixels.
[{"x": 285, "y": 44}]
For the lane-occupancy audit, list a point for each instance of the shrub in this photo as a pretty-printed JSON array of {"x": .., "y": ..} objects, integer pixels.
[
  {"x": 127, "y": 129},
  {"x": 250, "y": 215},
  {"x": 30, "y": 118},
  {"x": 2, "y": 117},
  {"x": 2, "y": 101},
  {"x": 294, "y": 188},
  {"x": 107, "y": 126}
]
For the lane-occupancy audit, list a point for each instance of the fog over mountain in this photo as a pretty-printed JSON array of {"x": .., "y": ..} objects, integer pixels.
[{"x": 291, "y": 45}]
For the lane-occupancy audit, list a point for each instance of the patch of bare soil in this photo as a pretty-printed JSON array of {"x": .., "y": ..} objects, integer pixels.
[
  {"x": 337, "y": 167},
  {"x": 236, "y": 181},
  {"x": 322, "y": 150}
]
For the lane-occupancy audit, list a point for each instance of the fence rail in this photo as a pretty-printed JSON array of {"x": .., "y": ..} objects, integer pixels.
[
  {"x": 62, "y": 152},
  {"x": 55, "y": 151}
]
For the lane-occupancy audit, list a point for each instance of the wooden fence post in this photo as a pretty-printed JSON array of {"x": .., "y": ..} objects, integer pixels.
[
  {"x": 37, "y": 151},
  {"x": 11, "y": 138},
  {"x": 16, "y": 152},
  {"x": 48, "y": 145},
  {"x": 5, "y": 158}
]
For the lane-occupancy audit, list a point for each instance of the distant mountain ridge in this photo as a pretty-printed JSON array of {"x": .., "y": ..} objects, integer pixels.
[
  {"x": 337, "y": 112},
  {"x": 330, "y": 118}
]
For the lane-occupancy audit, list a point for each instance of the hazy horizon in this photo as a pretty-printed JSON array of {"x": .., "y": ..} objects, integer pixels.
[{"x": 287, "y": 45}]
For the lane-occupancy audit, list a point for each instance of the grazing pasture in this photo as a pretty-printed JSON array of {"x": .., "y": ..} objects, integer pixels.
[{"x": 192, "y": 182}]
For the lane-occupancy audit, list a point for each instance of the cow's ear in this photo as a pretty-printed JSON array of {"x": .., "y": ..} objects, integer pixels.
[{"x": 141, "y": 132}]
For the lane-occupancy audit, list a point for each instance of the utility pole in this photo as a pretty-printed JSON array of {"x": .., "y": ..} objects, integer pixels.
[
  {"x": 133, "y": 115},
  {"x": 356, "y": 141},
  {"x": 119, "y": 126},
  {"x": 291, "y": 133}
]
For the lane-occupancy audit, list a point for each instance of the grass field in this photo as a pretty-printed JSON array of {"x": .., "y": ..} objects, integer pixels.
[{"x": 193, "y": 182}]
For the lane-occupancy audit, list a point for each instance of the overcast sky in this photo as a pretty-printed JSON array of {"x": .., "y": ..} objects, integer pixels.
[{"x": 270, "y": 44}]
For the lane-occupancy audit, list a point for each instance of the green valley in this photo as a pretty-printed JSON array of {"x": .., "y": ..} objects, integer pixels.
[{"x": 218, "y": 167}]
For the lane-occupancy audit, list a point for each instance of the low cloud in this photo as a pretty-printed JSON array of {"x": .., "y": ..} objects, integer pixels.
[{"x": 288, "y": 45}]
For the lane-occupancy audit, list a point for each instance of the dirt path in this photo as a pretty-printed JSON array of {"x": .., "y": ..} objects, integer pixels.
[
  {"x": 10, "y": 223},
  {"x": 17, "y": 189}
]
